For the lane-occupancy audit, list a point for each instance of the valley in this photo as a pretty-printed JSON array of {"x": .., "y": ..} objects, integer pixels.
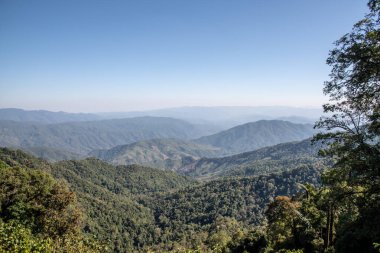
[{"x": 151, "y": 184}]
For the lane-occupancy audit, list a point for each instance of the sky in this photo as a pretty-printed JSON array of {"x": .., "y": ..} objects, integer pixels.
[{"x": 122, "y": 55}]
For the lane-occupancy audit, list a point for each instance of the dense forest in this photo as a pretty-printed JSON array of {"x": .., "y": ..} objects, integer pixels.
[
  {"x": 129, "y": 206},
  {"x": 278, "y": 158}
]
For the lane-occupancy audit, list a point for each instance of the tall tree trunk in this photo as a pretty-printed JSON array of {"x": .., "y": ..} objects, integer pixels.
[
  {"x": 327, "y": 235},
  {"x": 331, "y": 233}
]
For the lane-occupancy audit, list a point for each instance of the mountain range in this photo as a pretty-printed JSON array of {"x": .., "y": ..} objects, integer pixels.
[
  {"x": 174, "y": 154},
  {"x": 162, "y": 182},
  {"x": 83, "y": 137},
  {"x": 44, "y": 117},
  {"x": 139, "y": 209},
  {"x": 222, "y": 117},
  {"x": 228, "y": 116}
]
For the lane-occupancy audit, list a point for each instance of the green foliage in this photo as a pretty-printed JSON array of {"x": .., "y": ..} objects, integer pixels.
[
  {"x": 354, "y": 143},
  {"x": 342, "y": 216},
  {"x": 376, "y": 246},
  {"x": 110, "y": 196},
  {"x": 141, "y": 209},
  {"x": 253, "y": 241},
  {"x": 16, "y": 238},
  {"x": 38, "y": 213},
  {"x": 78, "y": 243},
  {"x": 37, "y": 201},
  {"x": 190, "y": 213},
  {"x": 354, "y": 90},
  {"x": 278, "y": 158},
  {"x": 283, "y": 218}
]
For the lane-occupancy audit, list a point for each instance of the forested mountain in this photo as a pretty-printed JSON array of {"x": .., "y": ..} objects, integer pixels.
[
  {"x": 44, "y": 117},
  {"x": 108, "y": 195},
  {"x": 281, "y": 157},
  {"x": 136, "y": 208},
  {"x": 83, "y": 137},
  {"x": 170, "y": 154},
  {"x": 257, "y": 134},
  {"x": 190, "y": 213},
  {"x": 201, "y": 161}
]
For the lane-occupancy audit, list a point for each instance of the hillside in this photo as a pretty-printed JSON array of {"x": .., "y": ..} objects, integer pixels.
[
  {"x": 195, "y": 213},
  {"x": 263, "y": 133},
  {"x": 169, "y": 154},
  {"x": 137, "y": 208},
  {"x": 127, "y": 179},
  {"x": 281, "y": 157},
  {"x": 108, "y": 195},
  {"x": 83, "y": 137}
]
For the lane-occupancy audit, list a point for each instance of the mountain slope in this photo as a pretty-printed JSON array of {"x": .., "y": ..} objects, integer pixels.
[
  {"x": 159, "y": 153},
  {"x": 191, "y": 213},
  {"x": 257, "y": 134},
  {"x": 108, "y": 195},
  {"x": 83, "y": 137},
  {"x": 281, "y": 157},
  {"x": 139, "y": 209}
]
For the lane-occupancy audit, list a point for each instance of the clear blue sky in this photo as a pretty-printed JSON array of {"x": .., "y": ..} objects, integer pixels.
[{"x": 120, "y": 55}]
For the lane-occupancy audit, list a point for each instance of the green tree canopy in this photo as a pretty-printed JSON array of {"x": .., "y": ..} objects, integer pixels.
[
  {"x": 353, "y": 135},
  {"x": 354, "y": 108}
]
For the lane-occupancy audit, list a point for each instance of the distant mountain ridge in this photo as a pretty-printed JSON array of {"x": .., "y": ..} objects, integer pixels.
[
  {"x": 254, "y": 135},
  {"x": 44, "y": 117},
  {"x": 228, "y": 116},
  {"x": 168, "y": 154},
  {"x": 74, "y": 136},
  {"x": 214, "y": 117},
  {"x": 83, "y": 137}
]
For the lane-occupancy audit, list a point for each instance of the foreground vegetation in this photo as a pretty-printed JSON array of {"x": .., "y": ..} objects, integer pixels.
[{"x": 134, "y": 208}]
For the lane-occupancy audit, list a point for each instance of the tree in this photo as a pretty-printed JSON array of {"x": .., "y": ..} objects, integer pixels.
[
  {"x": 284, "y": 221},
  {"x": 40, "y": 214},
  {"x": 354, "y": 92},
  {"x": 353, "y": 133},
  {"x": 34, "y": 199}
]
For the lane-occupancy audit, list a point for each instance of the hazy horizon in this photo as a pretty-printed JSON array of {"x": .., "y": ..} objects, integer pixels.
[
  {"x": 101, "y": 56},
  {"x": 172, "y": 108}
]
